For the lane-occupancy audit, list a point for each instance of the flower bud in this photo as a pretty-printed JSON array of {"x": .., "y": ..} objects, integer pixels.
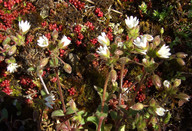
[
  {"x": 12, "y": 50},
  {"x": 177, "y": 82},
  {"x": 2, "y": 58},
  {"x": 55, "y": 34},
  {"x": 72, "y": 105},
  {"x": 44, "y": 62},
  {"x": 183, "y": 96},
  {"x": 162, "y": 30},
  {"x": 118, "y": 52},
  {"x": 181, "y": 55},
  {"x": 6, "y": 41},
  {"x": 157, "y": 40},
  {"x": 137, "y": 106},
  {"x": 113, "y": 75},
  {"x": 156, "y": 81},
  {"x": 180, "y": 61},
  {"x": 67, "y": 68},
  {"x": 152, "y": 102},
  {"x": 153, "y": 120},
  {"x": 124, "y": 60}
]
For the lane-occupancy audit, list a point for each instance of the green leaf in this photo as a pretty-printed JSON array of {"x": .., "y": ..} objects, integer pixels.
[
  {"x": 70, "y": 111},
  {"x": 57, "y": 113},
  {"x": 108, "y": 127},
  {"x": 31, "y": 69},
  {"x": 105, "y": 111},
  {"x": 94, "y": 120},
  {"x": 54, "y": 62},
  {"x": 113, "y": 115},
  {"x": 122, "y": 128},
  {"x": 43, "y": 93}
]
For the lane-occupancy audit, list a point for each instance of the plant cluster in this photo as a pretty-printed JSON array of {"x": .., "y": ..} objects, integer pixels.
[{"x": 104, "y": 75}]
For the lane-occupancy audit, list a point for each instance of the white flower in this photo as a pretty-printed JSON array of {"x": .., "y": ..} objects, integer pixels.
[
  {"x": 65, "y": 41},
  {"x": 50, "y": 100},
  {"x": 164, "y": 52},
  {"x": 166, "y": 83},
  {"x": 140, "y": 42},
  {"x": 103, "y": 51},
  {"x": 149, "y": 37},
  {"x": 24, "y": 26},
  {"x": 131, "y": 22},
  {"x": 12, "y": 67},
  {"x": 120, "y": 44},
  {"x": 160, "y": 111},
  {"x": 103, "y": 39},
  {"x": 43, "y": 41}
]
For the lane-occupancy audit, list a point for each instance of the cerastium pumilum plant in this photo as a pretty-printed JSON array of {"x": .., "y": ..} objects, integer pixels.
[
  {"x": 153, "y": 52},
  {"x": 127, "y": 112}
]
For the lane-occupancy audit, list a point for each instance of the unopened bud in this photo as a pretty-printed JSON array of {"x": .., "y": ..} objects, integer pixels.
[
  {"x": 72, "y": 105},
  {"x": 55, "y": 34},
  {"x": 153, "y": 120},
  {"x": 137, "y": 106},
  {"x": 162, "y": 30},
  {"x": 180, "y": 61},
  {"x": 181, "y": 55},
  {"x": 12, "y": 50},
  {"x": 124, "y": 60},
  {"x": 2, "y": 58},
  {"x": 67, "y": 68},
  {"x": 156, "y": 81},
  {"x": 118, "y": 52},
  {"x": 44, "y": 62},
  {"x": 177, "y": 82},
  {"x": 7, "y": 40},
  {"x": 152, "y": 102},
  {"x": 183, "y": 96},
  {"x": 157, "y": 40},
  {"x": 113, "y": 75}
]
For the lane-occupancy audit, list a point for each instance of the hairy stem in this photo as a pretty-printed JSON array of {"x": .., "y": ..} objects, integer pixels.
[
  {"x": 138, "y": 87},
  {"x": 121, "y": 82},
  {"x": 103, "y": 101},
  {"x": 61, "y": 97}
]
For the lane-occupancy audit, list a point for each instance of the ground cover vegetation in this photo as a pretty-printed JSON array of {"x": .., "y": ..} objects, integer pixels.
[{"x": 105, "y": 65}]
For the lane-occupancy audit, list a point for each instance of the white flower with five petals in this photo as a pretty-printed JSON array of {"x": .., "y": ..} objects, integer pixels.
[
  {"x": 160, "y": 111},
  {"x": 163, "y": 52},
  {"x": 65, "y": 41},
  {"x": 103, "y": 51},
  {"x": 12, "y": 67},
  {"x": 24, "y": 26},
  {"x": 103, "y": 39},
  {"x": 43, "y": 41},
  {"x": 140, "y": 42},
  {"x": 131, "y": 22}
]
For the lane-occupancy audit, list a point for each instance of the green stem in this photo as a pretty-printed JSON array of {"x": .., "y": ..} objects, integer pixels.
[{"x": 103, "y": 101}]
